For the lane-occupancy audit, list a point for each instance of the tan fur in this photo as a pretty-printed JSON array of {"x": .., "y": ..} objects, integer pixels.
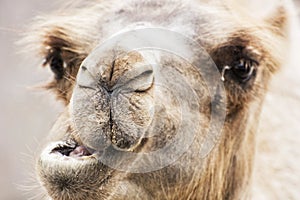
[{"x": 230, "y": 170}]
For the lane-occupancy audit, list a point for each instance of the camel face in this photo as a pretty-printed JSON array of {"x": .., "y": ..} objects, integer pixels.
[{"x": 162, "y": 98}]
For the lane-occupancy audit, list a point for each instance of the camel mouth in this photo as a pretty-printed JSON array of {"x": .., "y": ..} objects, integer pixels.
[
  {"x": 72, "y": 149},
  {"x": 69, "y": 150},
  {"x": 66, "y": 168}
]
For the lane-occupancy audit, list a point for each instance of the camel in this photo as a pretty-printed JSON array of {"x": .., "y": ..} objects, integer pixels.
[{"x": 162, "y": 98}]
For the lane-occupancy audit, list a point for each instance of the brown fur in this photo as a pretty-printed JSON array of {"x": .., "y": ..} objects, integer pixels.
[{"x": 226, "y": 172}]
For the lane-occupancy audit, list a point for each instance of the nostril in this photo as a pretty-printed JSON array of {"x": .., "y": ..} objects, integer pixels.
[
  {"x": 138, "y": 79},
  {"x": 145, "y": 81},
  {"x": 85, "y": 78}
]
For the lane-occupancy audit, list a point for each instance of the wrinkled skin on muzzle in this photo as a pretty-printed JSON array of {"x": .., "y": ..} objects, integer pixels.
[
  {"x": 127, "y": 106},
  {"x": 139, "y": 111}
]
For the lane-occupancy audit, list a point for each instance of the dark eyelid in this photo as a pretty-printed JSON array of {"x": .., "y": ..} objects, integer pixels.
[{"x": 252, "y": 54}]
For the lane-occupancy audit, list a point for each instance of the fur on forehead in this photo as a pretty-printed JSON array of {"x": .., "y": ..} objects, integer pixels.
[{"x": 76, "y": 27}]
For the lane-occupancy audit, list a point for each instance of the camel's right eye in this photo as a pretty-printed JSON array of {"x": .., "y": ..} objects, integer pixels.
[{"x": 54, "y": 59}]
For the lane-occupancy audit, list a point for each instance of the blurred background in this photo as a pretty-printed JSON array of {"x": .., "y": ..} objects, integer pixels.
[{"x": 26, "y": 114}]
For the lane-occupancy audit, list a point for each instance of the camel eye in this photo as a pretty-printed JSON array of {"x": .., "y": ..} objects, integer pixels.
[
  {"x": 56, "y": 63},
  {"x": 237, "y": 64},
  {"x": 244, "y": 69}
]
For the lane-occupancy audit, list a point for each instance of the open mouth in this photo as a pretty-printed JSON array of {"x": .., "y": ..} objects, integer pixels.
[
  {"x": 68, "y": 170},
  {"x": 72, "y": 149}
]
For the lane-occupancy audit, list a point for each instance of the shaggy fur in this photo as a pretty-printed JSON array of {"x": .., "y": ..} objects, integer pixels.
[{"x": 243, "y": 163}]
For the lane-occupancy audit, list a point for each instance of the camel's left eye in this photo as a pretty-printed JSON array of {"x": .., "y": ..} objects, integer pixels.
[{"x": 244, "y": 69}]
